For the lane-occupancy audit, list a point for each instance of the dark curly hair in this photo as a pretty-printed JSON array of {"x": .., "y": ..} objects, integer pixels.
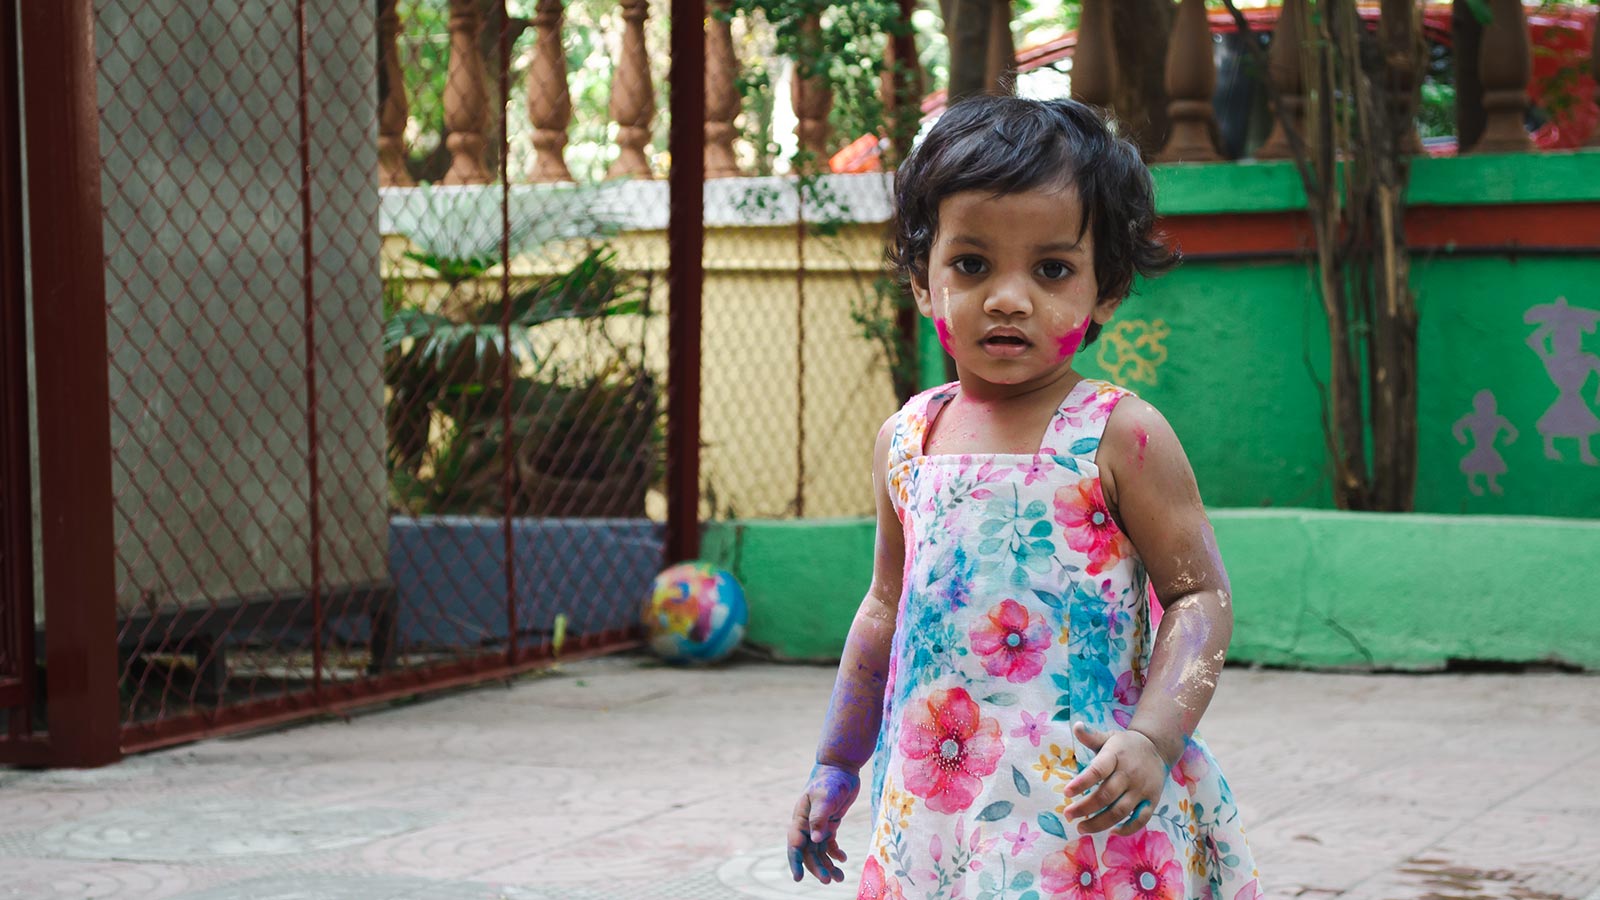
[{"x": 1010, "y": 144}]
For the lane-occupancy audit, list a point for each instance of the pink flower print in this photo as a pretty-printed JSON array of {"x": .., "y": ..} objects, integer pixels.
[
  {"x": 1083, "y": 515},
  {"x": 876, "y": 884},
  {"x": 1192, "y": 765},
  {"x": 1072, "y": 873},
  {"x": 1031, "y": 728},
  {"x": 1141, "y": 867},
  {"x": 1251, "y": 891},
  {"x": 1022, "y": 838},
  {"x": 1128, "y": 691},
  {"x": 1038, "y": 470},
  {"x": 949, "y": 747},
  {"x": 1012, "y": 642}
]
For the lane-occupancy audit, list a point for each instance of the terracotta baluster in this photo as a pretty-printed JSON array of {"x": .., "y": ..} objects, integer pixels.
[
  {"x": 633, "y": 102},
  {"x": 1285, "y": 67},
  {"x": 812, "y": 99},
  {"x": 722, "y": 92},
  {"x": 1504, "y": 65},
  {"x": 1092, "y": 59},
  {"x": 999, "y": 70},
  {"x": 549, "y": 102},
  {"x": 1594, "y": 72},
  {"x": 1402, "y": 46},
  {"x": 1191, "y": 79},
  {"x": 900, "y": 88},
  {"x": 466, "y": 110},
  {"x": 392, "y": 111}
]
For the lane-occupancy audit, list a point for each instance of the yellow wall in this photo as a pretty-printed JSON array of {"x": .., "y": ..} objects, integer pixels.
[{"x": 752, "y": 396}]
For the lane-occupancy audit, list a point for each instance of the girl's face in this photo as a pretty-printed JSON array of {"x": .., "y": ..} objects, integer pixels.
[{"x": 1011, "y": 284}]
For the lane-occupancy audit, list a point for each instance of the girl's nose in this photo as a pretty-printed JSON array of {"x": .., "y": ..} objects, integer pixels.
[{"x": 1008, "y": 297}]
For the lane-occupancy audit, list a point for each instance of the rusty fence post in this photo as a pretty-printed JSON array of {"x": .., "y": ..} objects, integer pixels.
[
  {"x": 73, "y": 396},
  {"x": 685, "y": 275}
]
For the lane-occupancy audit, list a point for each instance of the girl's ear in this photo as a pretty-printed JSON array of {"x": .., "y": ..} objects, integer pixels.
[
  {"x": 919, "y": 290},
  {"x": 1104, "y": 307}
]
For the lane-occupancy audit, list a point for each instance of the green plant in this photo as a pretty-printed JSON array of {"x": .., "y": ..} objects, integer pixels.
[{"x": 462, "y": 369}]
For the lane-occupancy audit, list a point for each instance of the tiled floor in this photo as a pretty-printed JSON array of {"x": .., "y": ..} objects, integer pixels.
[{"x": 622, "y": 779}]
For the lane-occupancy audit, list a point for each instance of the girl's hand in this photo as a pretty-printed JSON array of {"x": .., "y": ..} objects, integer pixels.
[
  {"x": 813, "y": 834},
  {"x": 1127, "y": 775}
]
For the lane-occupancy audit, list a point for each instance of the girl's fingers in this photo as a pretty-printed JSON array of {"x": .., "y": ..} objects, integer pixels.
[
  {"x": 819, "y": 865},
  {"x": 1112, "y": 815},
  {"x": 1142, "y": 812},
  {"x": 835, "y": 851},
  {"x": 1103, "y": 796},
  {"x": 1103, "y": 767}
]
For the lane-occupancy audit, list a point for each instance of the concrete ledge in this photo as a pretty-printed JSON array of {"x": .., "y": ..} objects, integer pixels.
[{"x": 1313, "y": 589}]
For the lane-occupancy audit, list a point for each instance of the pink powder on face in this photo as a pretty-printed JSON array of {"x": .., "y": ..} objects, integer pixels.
[
  {"x": 943, "y": 328},
  {"x": 1068, "y": 343}
]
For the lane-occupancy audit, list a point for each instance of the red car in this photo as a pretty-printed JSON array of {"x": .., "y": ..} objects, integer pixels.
[{"x": 1563, "y": 113}]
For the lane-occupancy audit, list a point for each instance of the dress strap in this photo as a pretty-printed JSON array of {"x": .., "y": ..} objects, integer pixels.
[
  {"x": 911, "y": 423},
  {"x": 1078, "y": 425},
  {"x": 906, "y": 438}
]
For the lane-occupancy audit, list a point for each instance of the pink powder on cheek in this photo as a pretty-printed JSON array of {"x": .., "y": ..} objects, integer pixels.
[
  {"x": 943, "y": 328},
  {"x": 1069, "y": 343}
]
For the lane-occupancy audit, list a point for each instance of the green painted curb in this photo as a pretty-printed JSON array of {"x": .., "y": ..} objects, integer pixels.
[{"x": 1312, "y": 588}]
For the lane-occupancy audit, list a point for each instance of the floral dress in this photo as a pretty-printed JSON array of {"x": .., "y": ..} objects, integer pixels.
[{"x": 1024, "y": 609}]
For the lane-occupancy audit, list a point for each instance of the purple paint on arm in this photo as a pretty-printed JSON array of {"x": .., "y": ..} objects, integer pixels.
[{"x": 1068, "y": 343}]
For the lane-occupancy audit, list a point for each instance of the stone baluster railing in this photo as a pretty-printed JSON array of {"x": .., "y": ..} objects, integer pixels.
[
  {"x": 812, "y": 99},
  {"x": 1504, "y": 64},
  {"x": 392, "y": 109},
  {"x": 549, "y": 101},
  {"x": 466, "y": 109},
  {"x": 722, "y": 92},
  {"x": 633, "y": 102},
  {"x": 1191, "y": 79},
  {"x": 1398, "y": 22},
  {"x": 1286, "y": 69},
  {"x": 1594, "y": 71},
  {"x": 1093, "y": 58}
]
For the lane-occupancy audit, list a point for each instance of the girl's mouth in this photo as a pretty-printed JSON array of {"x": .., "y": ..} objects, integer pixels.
[{"x": 1005, "y": 345}]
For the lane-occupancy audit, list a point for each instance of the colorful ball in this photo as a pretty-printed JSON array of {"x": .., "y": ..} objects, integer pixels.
[{"x": 695, "y": 614}]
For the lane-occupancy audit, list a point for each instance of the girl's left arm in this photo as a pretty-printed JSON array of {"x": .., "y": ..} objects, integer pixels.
[{"x": 1151, "y": 491}]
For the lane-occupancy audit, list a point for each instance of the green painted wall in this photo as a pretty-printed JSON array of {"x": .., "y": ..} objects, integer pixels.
[
  {"x": 1311, "y": 588},
  {"x": 1227, "y": 353},
  {"x": 1235, "y": 354}
]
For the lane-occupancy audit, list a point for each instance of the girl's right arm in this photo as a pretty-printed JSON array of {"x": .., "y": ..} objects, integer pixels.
[{"x": 855, "y": 711}]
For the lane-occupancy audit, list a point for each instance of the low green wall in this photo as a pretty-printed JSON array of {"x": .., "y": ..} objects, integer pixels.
[{"x": 1312, "y": 588}]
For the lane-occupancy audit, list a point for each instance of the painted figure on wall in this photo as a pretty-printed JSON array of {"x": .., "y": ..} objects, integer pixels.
[
  {"x": 1484, "y": 424},
  {"x": 1559, "y": 342}
]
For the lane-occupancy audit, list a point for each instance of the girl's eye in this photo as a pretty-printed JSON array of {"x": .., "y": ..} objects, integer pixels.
[
  {"x": 1054, "y": 270},
  {"x": 968, "y": 265}
]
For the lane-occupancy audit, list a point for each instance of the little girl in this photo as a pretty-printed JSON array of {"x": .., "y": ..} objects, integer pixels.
[{"x": 1034, "y": 729}]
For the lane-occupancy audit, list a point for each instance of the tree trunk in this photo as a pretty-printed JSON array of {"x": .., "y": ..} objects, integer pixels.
[
  {"x": 1370, "y": 408},
  {"x": 1138, "y": 93},
  {"x": 967, "y": 28}
]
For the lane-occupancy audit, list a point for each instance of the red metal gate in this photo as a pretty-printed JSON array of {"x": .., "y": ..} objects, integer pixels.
[
  {"x": 16, "y": 502},
  {"x": 220, "y": 542}
]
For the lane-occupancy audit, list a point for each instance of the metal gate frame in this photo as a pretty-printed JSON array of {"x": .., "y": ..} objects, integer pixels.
[
  {"x": 16, "y": 487},
  {"x": 64, "y": 222},
  {"x": 69, "y": 327}
]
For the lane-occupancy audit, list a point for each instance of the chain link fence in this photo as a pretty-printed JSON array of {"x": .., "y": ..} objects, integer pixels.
[{"x": 386, "y": 307}]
